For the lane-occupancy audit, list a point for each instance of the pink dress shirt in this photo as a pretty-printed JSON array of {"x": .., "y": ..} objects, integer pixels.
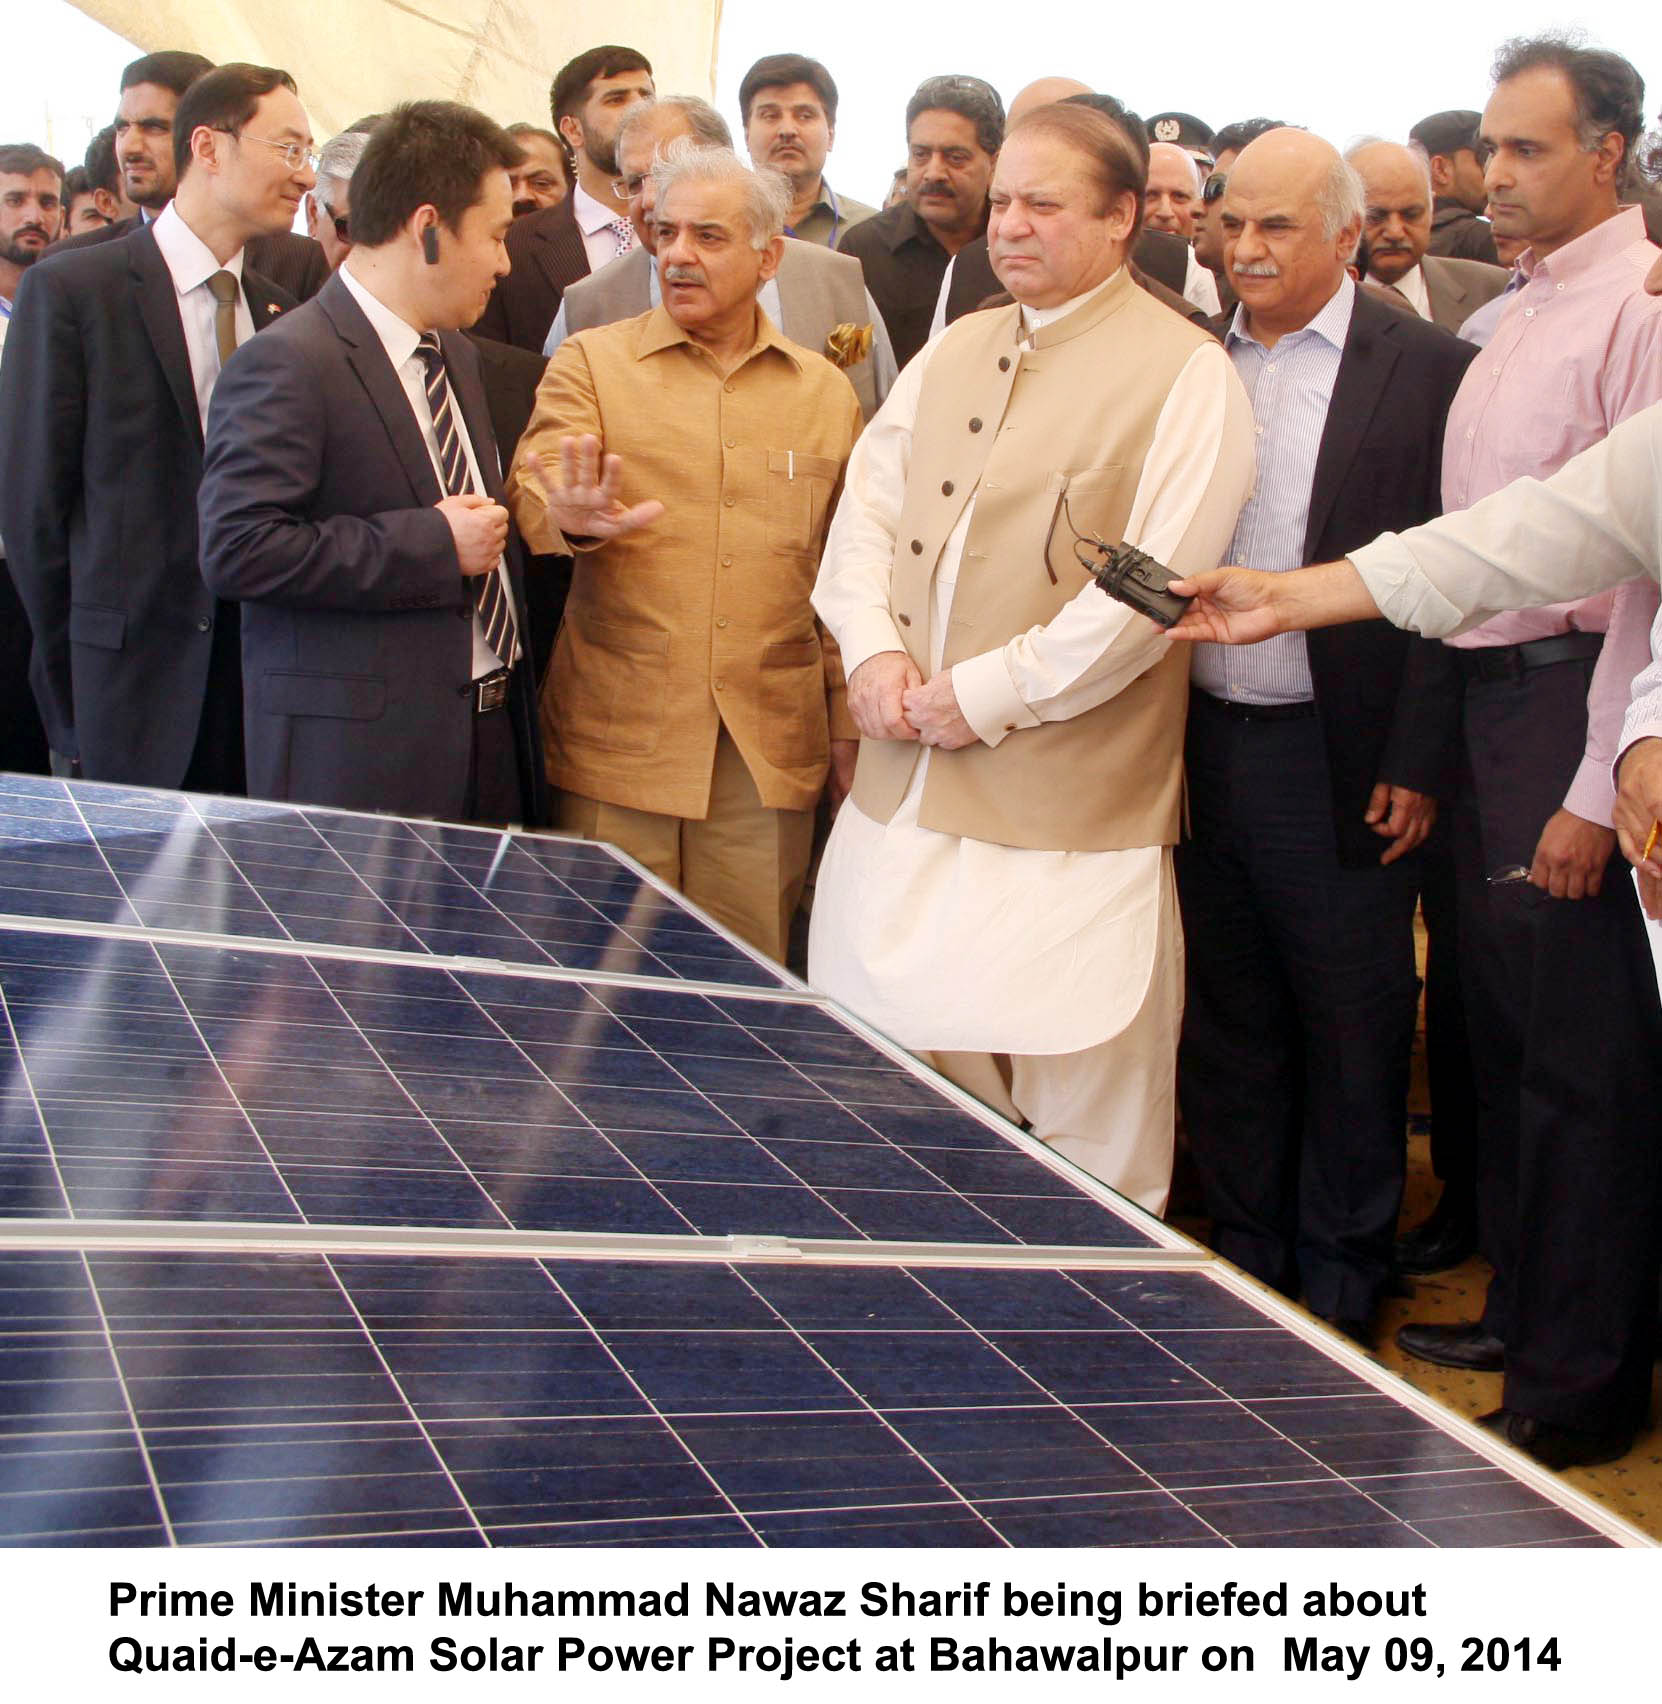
[{"x": 1578, "y": 349}]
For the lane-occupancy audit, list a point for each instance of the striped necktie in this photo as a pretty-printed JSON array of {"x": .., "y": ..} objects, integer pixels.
[{"x": 496, "y": 613}]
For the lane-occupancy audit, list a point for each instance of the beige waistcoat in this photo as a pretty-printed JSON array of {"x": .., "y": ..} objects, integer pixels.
[{"x": 1071, "y": 420}]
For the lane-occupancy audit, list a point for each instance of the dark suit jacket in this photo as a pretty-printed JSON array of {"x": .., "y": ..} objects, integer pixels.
[
  {"x": 545, "y": 253},
  {"x": 296, "y": 264},
  {"x": 511, "y": 377},
  {"x": 1388, "y": 702},
  {"x": 103, "y": 455},
  {"x": 973, "y": 278},
  {"x": 318, "y": 514}
]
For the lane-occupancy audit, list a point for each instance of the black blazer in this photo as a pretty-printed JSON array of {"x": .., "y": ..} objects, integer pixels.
[
  {"x": 296, "y": 264},
  {"x": 545, "y": 254},
  {"x": 1389, "y": 702},
  {"x": 98, "y": 505},
  {"x": 318, "y": 514}
]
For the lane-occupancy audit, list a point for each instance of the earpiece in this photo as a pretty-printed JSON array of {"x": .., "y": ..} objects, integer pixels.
[{"x": 430, "y": 245}]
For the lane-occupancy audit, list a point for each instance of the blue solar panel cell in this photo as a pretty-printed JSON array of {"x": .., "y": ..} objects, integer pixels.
[
  {"x": 303, "y": 1399},
  {"x": 243, "y": 868},
  {"x": 225, "y": 1083}
]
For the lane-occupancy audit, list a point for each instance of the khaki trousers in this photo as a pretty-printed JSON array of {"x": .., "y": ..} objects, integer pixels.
[
  {"x": 1112, "y": 1108},
  {"x": 744, "y": 862}
]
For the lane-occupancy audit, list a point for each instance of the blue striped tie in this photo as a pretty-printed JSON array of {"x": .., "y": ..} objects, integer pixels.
[{"x": 496, "y": 613}]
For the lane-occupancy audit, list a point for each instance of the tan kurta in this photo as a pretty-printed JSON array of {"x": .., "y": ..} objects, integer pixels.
[{"x": 701, "y": 619}]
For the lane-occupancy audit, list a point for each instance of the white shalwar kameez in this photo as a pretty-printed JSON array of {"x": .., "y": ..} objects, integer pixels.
[{"x": 1066, "y": 967}]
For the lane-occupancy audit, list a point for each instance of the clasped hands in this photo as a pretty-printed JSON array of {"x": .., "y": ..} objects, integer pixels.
[{"x": 890, "y": 700}]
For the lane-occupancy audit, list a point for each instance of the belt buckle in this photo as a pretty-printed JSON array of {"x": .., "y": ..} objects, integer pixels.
[{"x": 490, "y": 692}]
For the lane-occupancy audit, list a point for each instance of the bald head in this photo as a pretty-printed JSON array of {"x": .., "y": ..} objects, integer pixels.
[
  {"x": 1290, "y": 215},
  {"x": 1173, "y": 190},
  {"x": 1043, "y": 92},
  {"x": 1397, "y": 205}
]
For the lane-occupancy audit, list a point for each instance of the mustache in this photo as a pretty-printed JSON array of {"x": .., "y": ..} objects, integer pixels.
[
  {"x": 683, "y": 275},
  {"x": 1264, "y": 269}
]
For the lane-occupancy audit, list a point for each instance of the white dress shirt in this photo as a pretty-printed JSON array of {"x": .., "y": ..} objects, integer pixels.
[
  {"x": 601, "y": 243},
  {"x": 399, "y": 338},
  {"x": 951, "y": 943},
  {"x": 190, "y": 263},
  {"x": 1413, "y": 288}
]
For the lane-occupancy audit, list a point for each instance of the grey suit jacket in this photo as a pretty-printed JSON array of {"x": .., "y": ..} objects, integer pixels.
[
  {"x": 1458, "y": 288},
  {"x": 819, "y": 289}
]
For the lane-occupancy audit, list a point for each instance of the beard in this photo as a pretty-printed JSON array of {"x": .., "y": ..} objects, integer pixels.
[
  {"x": 14, "y": 253},
  {"x": 601, "y": 151}
]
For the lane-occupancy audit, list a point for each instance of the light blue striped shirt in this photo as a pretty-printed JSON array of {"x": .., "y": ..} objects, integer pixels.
[{"x": 1291, "y": 387}]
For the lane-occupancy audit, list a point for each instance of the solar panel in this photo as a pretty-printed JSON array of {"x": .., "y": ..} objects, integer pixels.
[
  {"x": 156, "y": 1080},
  {"x": 312, "y": 1399},
  {"x": 366, "y": 1181},
  {"x": 79, "y": 852}
]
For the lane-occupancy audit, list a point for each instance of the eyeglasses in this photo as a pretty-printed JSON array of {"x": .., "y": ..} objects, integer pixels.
[
  {"x": 1213, "y": 188},
  {"x": 627, "y": 188},
  {"x": 296, "y": 155}
]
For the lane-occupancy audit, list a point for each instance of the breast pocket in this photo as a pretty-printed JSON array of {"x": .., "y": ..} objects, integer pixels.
[
  {"x": 1092, "y": 503},
  {"x": 798, "y": 495}
]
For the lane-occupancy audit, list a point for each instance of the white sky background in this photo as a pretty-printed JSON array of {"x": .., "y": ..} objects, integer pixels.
[{"x": 1341, "y": 73}]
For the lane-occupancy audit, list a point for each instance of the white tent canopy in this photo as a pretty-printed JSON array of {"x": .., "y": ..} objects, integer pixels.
[{"x": 362, "y": 56}]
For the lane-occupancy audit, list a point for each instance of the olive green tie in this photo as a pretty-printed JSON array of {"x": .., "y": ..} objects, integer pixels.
[{"x": 224, "y": 288}]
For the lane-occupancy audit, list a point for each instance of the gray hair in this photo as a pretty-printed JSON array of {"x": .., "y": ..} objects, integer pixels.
[
  {"x": 337, "y": 161},
  {"x": 708, "y": 127},
  {"x": 1421, "y": 158},
  {"x": 767, "y": 196},
  {"x": 1340, "y": 198}
]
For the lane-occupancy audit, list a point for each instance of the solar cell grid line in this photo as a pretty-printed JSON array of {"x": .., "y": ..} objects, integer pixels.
[
  {"x": 227, "y": 1082},
  {"x": 206, "y": 865},
  {"x": 359, "y": 1398}
]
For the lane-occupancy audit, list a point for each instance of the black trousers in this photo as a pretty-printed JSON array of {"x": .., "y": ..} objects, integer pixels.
[
  {"x": 1566, "y": 1034},
  {"x": 1448, "y": 1054},
  {"x": 22, "y": 738},
  {"x": 1293, "y": 1067},
  {"x": 217, "y": 762}
]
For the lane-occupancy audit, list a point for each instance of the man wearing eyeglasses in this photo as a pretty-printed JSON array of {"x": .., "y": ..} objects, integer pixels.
[
  {"x": 151, "y": 89},
  {"x": 113, "y": 354},
  {"x": 329, "y": 204}
]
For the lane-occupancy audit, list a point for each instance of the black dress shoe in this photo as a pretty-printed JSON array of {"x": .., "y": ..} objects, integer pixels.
[
  {"x": 1466, "y": 1345},
  {"x": 1445, "y": 1239},
  {"x": 1558, "y": 1447}
]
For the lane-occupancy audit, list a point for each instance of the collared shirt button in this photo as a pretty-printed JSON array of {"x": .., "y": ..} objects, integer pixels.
[
  {"x": 1529, "y": 313},
  {"x": 946, "y": 487},
  {"x": 975, "y": 425},
  {"x": 917, "y": 547},
  {"x": 719, "y": 684},
  {"x": 1009, "y": 727},
  {"x": 204, "y": 625},
  {"x": 728, "y": 387},
  {"x": 721, "y": 621},
  {"x": 727, "y": 502},
  {"x": 731, "y": 443},
  {"x": 1470, "y": 433},
  {"x": 1495, "y": 371},
  {"x": 1004, "y": 363},
  {"x": 727, "y": 562},
  {"x": 904, "y": 620}
]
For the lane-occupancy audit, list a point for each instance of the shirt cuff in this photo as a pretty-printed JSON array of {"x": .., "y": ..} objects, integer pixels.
[
  {"x": 987, "y": 697},
  {"x": 1633, "y": 736},
  {"x": 1406, "y": 598},
  {"x": 866, "y": 633},
  {"x": 1591, "y": 794}
]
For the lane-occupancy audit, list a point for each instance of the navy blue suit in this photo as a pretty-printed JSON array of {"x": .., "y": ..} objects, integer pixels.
[
  {"x": 103, "y": 452},
  {"x": 318, "y": 512}
]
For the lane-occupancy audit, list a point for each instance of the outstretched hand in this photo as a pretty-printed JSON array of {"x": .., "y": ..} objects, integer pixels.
[
  {"x": 582, "y": 496},
  {"x": 1232, "y": 606}
]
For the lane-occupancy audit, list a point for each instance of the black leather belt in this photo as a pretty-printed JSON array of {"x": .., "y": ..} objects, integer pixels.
[
  {"x": 1509, "y": 662},
  {"x": 1295, "y": 712},
  {"x": 490, "y": 692}
]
